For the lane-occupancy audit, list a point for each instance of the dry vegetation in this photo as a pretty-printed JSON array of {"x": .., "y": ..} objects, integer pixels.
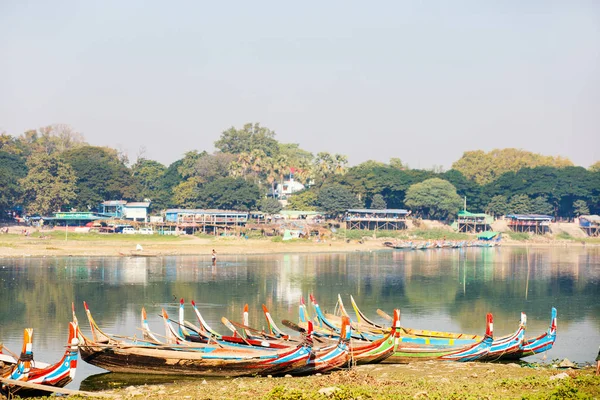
[{"x": 428, "y": 380}]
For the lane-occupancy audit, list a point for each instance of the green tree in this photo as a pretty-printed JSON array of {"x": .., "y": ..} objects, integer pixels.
[
  {"x": 540, "y": 205},
  {"x": 336, "y": 199},
  {"x": 187, "y": 193},
  {"x": 12, "y": 169},
  {"x": 306, "y": 200},
  {"x": 581, "y": 208},
  {"x": 230, "y": 194},
  {"x": 49, "y": 185},
  {"x": 101, "y": 175},
  {"x": 50, "y": 139},
  {"x": 397, "y": 163},
  {"x": 296, "y": 156},
  {"x": 519, "y": 204},
  {"x": 206, "y": 167},
  {"x": 486, "y": 167},
  {"x": 497, "y": 206},
  {"x": 378, "y": 202},
  {"x": 250, "y": 137},
  {"x": 433, "y": 198},
  {"x": 269, "y": 205},
  {"x": 476, "y": 198},
  {"x": 149, "y": 175},
  {"x": 595, "y": 167}
]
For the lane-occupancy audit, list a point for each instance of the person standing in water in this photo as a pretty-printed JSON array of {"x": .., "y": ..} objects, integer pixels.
[{"x": 214, "y": 258}]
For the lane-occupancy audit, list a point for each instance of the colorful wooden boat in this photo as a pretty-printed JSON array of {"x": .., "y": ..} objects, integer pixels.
[
  {"x": 198, "y": 334},
  {"x": 505, "y": 348},
  {"x": 410, "y": 352},
  {"x": 25, "y": 369},
  {"x": 205, "y": 360},
  {"x": 536, "y": 345}
]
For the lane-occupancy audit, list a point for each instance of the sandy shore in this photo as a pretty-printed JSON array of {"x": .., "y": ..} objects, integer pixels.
[{"x": 33, "y": 246}]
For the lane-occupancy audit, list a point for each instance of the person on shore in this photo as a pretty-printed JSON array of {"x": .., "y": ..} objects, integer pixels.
[
  {"x": 598, "y": 362},
  {"x": 214, "y": 258}
]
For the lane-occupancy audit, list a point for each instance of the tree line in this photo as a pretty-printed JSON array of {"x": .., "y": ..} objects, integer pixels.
[{"x": 54, "y": 169}]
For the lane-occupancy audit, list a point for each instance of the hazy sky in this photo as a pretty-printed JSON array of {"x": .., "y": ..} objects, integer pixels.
[{"x": 420, "y": 80}]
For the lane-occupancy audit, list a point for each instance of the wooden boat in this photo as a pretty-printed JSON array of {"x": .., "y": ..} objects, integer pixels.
[
  {"x": 25, "y": 369},
  {"x": 322, "y": 359},
  {"x": 204, "y": 334},
  {"x": 462, "y": 337},
  {"x": 204, "y": 360},
  {"x": 509, "y": 347},
  {"x": 536, "y": 345},
  {"x": 330, "y": 357},
  {"x": 406, "y": 338},
  {"x": 409, "y": 352}
]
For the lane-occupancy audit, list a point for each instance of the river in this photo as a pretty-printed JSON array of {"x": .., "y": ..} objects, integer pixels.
[{"x": 443, "y": 289}]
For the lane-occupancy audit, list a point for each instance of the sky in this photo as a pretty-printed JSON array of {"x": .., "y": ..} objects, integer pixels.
[{"x": 423, "y": 81}]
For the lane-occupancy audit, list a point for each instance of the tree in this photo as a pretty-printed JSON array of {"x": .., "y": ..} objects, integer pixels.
[
  {"x": 51, "y": 139},
  {"x": 476, "y": 198},
  {"x": 580, "y": 207},
  {"x": 230, "y": 194},
  {"x": 101, "y": 175},
  {"x": 434, "y": 198},
  {"x": 497, "y": 206},
  {"x": 269, "y": 205},
  {"x": 595, "y": 167},
  {"x": 187, "y": 193},
  {"x": 540, "y": 205},
  {"x": 486, "y": 167},
  {"x": 306, "y": 200},
  {"x": 519, "y": 204},
  {"x": 206, "y": 167},
  {"x": 297, "y": 157},
  {"x": 336, "y": 199},
  {"x": 378, "y": 202},
  {"x": 149, "y": 176},
  {"x": 12, "y": 169},
  {"x": 250, "y": 137},
  {"x": 397, "y": 163},
  {"x": 49, "y": 184}
]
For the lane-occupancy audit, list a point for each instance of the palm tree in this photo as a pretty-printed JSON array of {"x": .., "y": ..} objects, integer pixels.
[
  {"x": 340, "y": 161},
  {"x": 281, "y": 166},
  {"x": 245, "y": 161},
  {"x": 269, "y": 169},
  {"x": 236, "y": 169},
  {"x": 256, "y": 162}
]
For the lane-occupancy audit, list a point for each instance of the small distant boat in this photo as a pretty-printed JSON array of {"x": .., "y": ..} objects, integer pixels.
[{"x": 136, "y": 253}]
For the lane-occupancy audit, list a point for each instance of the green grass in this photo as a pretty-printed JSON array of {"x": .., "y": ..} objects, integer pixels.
[
  {"x": 440, "y": 234},
  {"x": 358, "y": 234},
  {"x": 116, "y": 237},
  {"x": 564, "y": 236},
  {"x": 520, "y": 236}
]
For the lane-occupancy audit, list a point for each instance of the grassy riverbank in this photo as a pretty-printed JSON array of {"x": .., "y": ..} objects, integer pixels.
[
  {"x": 59, "y": 243},
  {"x": 423, "y": 380}
]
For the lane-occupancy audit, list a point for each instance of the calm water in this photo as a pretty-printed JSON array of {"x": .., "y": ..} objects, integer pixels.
[{"x": 446, "y": 289}]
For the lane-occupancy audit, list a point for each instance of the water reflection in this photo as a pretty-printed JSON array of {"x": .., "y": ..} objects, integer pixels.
[{"x": 446, "y": 289}]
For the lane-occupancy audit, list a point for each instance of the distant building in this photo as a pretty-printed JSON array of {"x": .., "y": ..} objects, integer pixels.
[
  {"x": 121, "y": 209},
  {"x": 391, "y": 219},
  {"x": 590, "y": 224},
  {"x": 530, "y": 223},
  {"x": 287, "y": 188},
  {"x": 472, "y": 223},
  {"x": 191, "y": 220}
]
